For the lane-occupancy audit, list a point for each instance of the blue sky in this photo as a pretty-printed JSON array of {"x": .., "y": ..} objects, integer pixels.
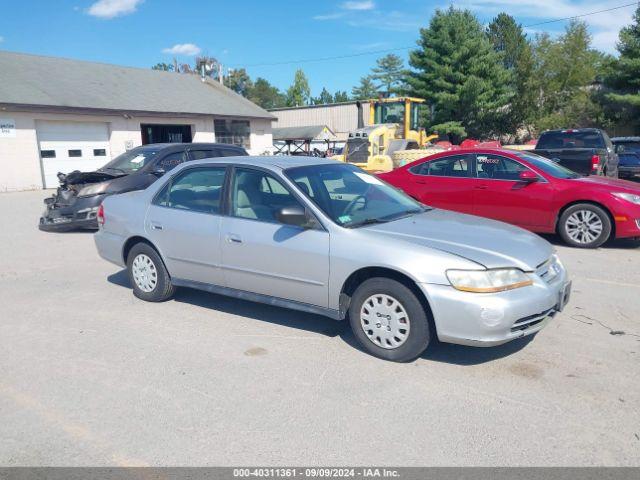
[{"x": 246, "y": 33}]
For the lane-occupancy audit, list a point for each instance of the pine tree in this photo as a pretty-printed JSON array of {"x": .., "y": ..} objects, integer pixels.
[
  {"x": 340, "y": 96},
  {"x": 324, "y": 98},
  {"x": 365, "y": 90},
  {"x": 460, "y": 75},
  {"x": 624, "y": 77},
  {"x": 389, "y": 71},
  {"x": 266, "y": 95},
  {"x": 299, "y": 93}
]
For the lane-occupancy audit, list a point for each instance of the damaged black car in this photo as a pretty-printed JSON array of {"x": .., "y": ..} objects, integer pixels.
[{"x": 75, "y": 203}]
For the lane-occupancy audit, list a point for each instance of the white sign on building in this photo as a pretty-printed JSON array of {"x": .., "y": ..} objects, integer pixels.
[{"x": 7, "y": 128}]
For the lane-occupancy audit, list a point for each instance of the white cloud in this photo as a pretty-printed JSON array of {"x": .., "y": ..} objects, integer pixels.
[
  {"x": 359, "y": 5},
  {"x": 604, "y": 26},
  {"x": 113, "y": 8},
  {"x": 329, "y": 16},
  {"x": 188, "y": 49},
  {"x": 1, "y": 39}
]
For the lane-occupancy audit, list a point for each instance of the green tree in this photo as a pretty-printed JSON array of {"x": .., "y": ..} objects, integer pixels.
[
  {"x": 460, "y": 75},
  {"x": 365, "y": 90},
  {"x": 566, "y": 70},
  {"x": 389, "y": 72},
  {"x": 165, "y": 67},
  {"x": 324, "y": 98},
  {"x": 264, "y": 94},
  {"x": 299, "y": 93},
  {"x": 624, "y": 75},
  {"x": 239, "y": 81},
  {"x": 340, "y": 96},
  {"x": 515, "y": 52}
]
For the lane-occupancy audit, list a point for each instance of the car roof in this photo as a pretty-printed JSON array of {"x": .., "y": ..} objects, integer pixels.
[
  {"x": 277, "y": 161},
  {"x": 161, "y": 146},
  {"x": 571, "y": 130}
]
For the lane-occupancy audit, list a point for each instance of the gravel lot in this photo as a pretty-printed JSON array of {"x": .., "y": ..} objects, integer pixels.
[{"x": 89, "y": 375}]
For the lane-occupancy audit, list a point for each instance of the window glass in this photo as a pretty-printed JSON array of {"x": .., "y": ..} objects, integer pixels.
[
  {"x": 48, "y": 153},
  {"x": 99, "y": 152},
  {"x": 131, "y": 160},
  {"x": 75, "y": 153},
  {"x": 551, "y": 140},
  {"x": 547, "y": 166},
  {"x": 200, "y": 154},
  {"x": 496, "y": 167},
  {"x": 172, "y": 160},
  {"x": 628, "y": 147},
  {"x": 197, "y": 189},
  {"x": 454, "y": 166},
  {"x": 351, "y": 197},
  {"x": 235, "y": 132},
  {"x": 259, "y": 196}
]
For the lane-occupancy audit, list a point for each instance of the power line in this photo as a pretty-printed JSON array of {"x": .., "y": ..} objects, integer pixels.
[{"x": 375, "y": 52}]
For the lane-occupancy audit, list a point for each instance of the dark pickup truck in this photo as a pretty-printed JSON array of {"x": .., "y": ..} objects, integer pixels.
[
  {"x": 587, "y": 151},
  {"x": 628, "y": 150}
]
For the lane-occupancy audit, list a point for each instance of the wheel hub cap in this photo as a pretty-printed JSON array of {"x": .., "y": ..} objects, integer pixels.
[
  {"x": 144, "y": 273},
  {"x": 385, "y": 321},
  {"x": 584, "y": 226}
]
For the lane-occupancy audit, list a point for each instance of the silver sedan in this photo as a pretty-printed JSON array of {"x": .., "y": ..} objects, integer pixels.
[{"x": 325, "y": 237}]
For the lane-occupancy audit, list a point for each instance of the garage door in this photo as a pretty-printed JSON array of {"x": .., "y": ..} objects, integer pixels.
[{"x": 68, "y": 146}]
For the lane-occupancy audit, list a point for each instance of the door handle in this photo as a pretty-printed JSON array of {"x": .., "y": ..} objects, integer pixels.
[
  {"x": 421, "y": 182},
  {"x": 481, "y": 187},
  {"x": 156, "y": 226},
  {"x": 233, "y": 238}
]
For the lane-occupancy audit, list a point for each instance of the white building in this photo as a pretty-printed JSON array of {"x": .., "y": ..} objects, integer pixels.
[{"x": 62, "y": 115}]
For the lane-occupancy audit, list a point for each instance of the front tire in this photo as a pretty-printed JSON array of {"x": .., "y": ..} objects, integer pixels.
[
  {"x": 584, "y": 226},
  {"x": 148, "y": 275},
  {"x": 389, "y": 320}
]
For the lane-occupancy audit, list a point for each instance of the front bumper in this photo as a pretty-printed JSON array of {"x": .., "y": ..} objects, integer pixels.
[
  {"x": 79, "y": 215},
  {"x": 493, "y": 319}
]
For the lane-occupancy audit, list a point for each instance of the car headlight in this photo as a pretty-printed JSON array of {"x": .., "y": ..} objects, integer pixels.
[
  {"x": 629, "y": 197},
  {"x": 488, "y": 281},
  {"x": 95, "y": 189}
]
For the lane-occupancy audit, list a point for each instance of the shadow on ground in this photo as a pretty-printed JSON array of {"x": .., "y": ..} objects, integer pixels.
[
  {"x": 619, "y": 243},
  {"x": 437, "y": 351}
]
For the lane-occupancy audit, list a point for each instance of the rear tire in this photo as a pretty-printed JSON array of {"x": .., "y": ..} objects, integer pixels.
[
  {"x": 148, "y": 275},
  {"x": 389, "y": 320},
  {"x": 584, "y": 225}
]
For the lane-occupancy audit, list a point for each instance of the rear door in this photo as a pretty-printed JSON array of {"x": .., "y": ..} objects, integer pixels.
[
  {"x": 445, "y": 182},
  {"x": 499, "y": 194},
  {"x": 184, "y": 221}
]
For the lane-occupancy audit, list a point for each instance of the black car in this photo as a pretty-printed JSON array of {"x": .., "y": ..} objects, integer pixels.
[
  {"x": 628, "y": 149},
  {"x": 76, "y": 201},
  {"x": 587, "y": 151}
]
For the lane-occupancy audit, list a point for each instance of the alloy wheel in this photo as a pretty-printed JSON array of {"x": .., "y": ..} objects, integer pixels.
[{"x": 584, "y": 226}]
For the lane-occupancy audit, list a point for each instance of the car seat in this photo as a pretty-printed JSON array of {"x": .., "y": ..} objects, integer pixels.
[{"x": 249, "y": 202}]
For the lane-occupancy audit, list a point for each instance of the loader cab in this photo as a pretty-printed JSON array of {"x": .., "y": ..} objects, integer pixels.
[{"x": 404, "y": 111}]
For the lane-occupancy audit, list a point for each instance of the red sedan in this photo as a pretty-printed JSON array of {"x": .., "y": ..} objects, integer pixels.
[{"x": 527, "y": 190}]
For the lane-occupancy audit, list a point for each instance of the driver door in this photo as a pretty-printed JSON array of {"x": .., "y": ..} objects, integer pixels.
[{"x": 262, "y": 255}]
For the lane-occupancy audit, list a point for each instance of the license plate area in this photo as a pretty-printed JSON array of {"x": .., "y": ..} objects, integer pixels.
[{"x": 564, "y": 296}]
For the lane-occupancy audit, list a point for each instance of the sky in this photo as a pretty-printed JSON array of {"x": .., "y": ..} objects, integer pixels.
[{"x": 256, "y": 34}]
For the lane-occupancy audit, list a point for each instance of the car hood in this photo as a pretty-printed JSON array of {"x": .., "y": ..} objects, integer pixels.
[
  {"x": 490, "y": 243},
  {"x": 609, "y": 184}
]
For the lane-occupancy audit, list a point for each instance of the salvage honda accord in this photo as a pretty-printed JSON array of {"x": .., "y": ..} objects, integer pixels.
[
  {"x": 76, "y": 201},
  {"x": 325, "y": 237}
]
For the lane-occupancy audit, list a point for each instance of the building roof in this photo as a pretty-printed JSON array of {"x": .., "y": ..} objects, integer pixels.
[
  {"x": 309, "y": 132},
  {"x": 61, "y": 82}
]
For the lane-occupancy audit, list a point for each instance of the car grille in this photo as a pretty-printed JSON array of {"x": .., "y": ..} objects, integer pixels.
[
  {"x": 357, "y": 150},
  {"x": 532, "y": 320}
]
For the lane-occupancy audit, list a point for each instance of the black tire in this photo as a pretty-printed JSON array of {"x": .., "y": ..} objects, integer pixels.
[
  {"x": 565, "y": 225},
  {"x": 163, "y": 288},
  {"x": 419, "y": 332}
]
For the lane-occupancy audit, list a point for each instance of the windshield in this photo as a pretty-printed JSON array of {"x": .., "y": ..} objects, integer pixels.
[
  {"x": 131, "y": 161},
  {"x": 351, "y": 197},
  {"x": 628, "y": 147},
  {"x": 547, "y": 166},
  {"x": 570, "y": 140}
]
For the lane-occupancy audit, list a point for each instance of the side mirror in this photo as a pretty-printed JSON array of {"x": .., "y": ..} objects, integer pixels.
[
  {"x": 293, "y": 215},
  {"x": 527, "y": 176},
  {"x": 158, "y": 171}
]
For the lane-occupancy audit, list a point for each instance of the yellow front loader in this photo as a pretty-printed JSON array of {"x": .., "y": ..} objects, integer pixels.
[{"x": 392, "y": 137}]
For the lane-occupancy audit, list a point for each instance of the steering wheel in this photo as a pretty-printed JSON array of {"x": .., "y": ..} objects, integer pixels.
[{"x": 352, "y": 204}]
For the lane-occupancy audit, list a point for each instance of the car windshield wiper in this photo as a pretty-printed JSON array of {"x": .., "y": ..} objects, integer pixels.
[
  {"x": 366, "y": 221},
  {"x": 114, "y": 168}
]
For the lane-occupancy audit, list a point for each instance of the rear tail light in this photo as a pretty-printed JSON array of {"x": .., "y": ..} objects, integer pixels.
[
  {"x": 595, "y": 163},
  {"x": 100, "y": 215}
]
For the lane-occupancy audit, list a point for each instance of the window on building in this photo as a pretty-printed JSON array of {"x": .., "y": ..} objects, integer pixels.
[
  {"x": 235, "y": 132},
  {"x": 99, "y": 152},
  {"x": 48, "y": 153},
  {"x": 75, "y": 153}
]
